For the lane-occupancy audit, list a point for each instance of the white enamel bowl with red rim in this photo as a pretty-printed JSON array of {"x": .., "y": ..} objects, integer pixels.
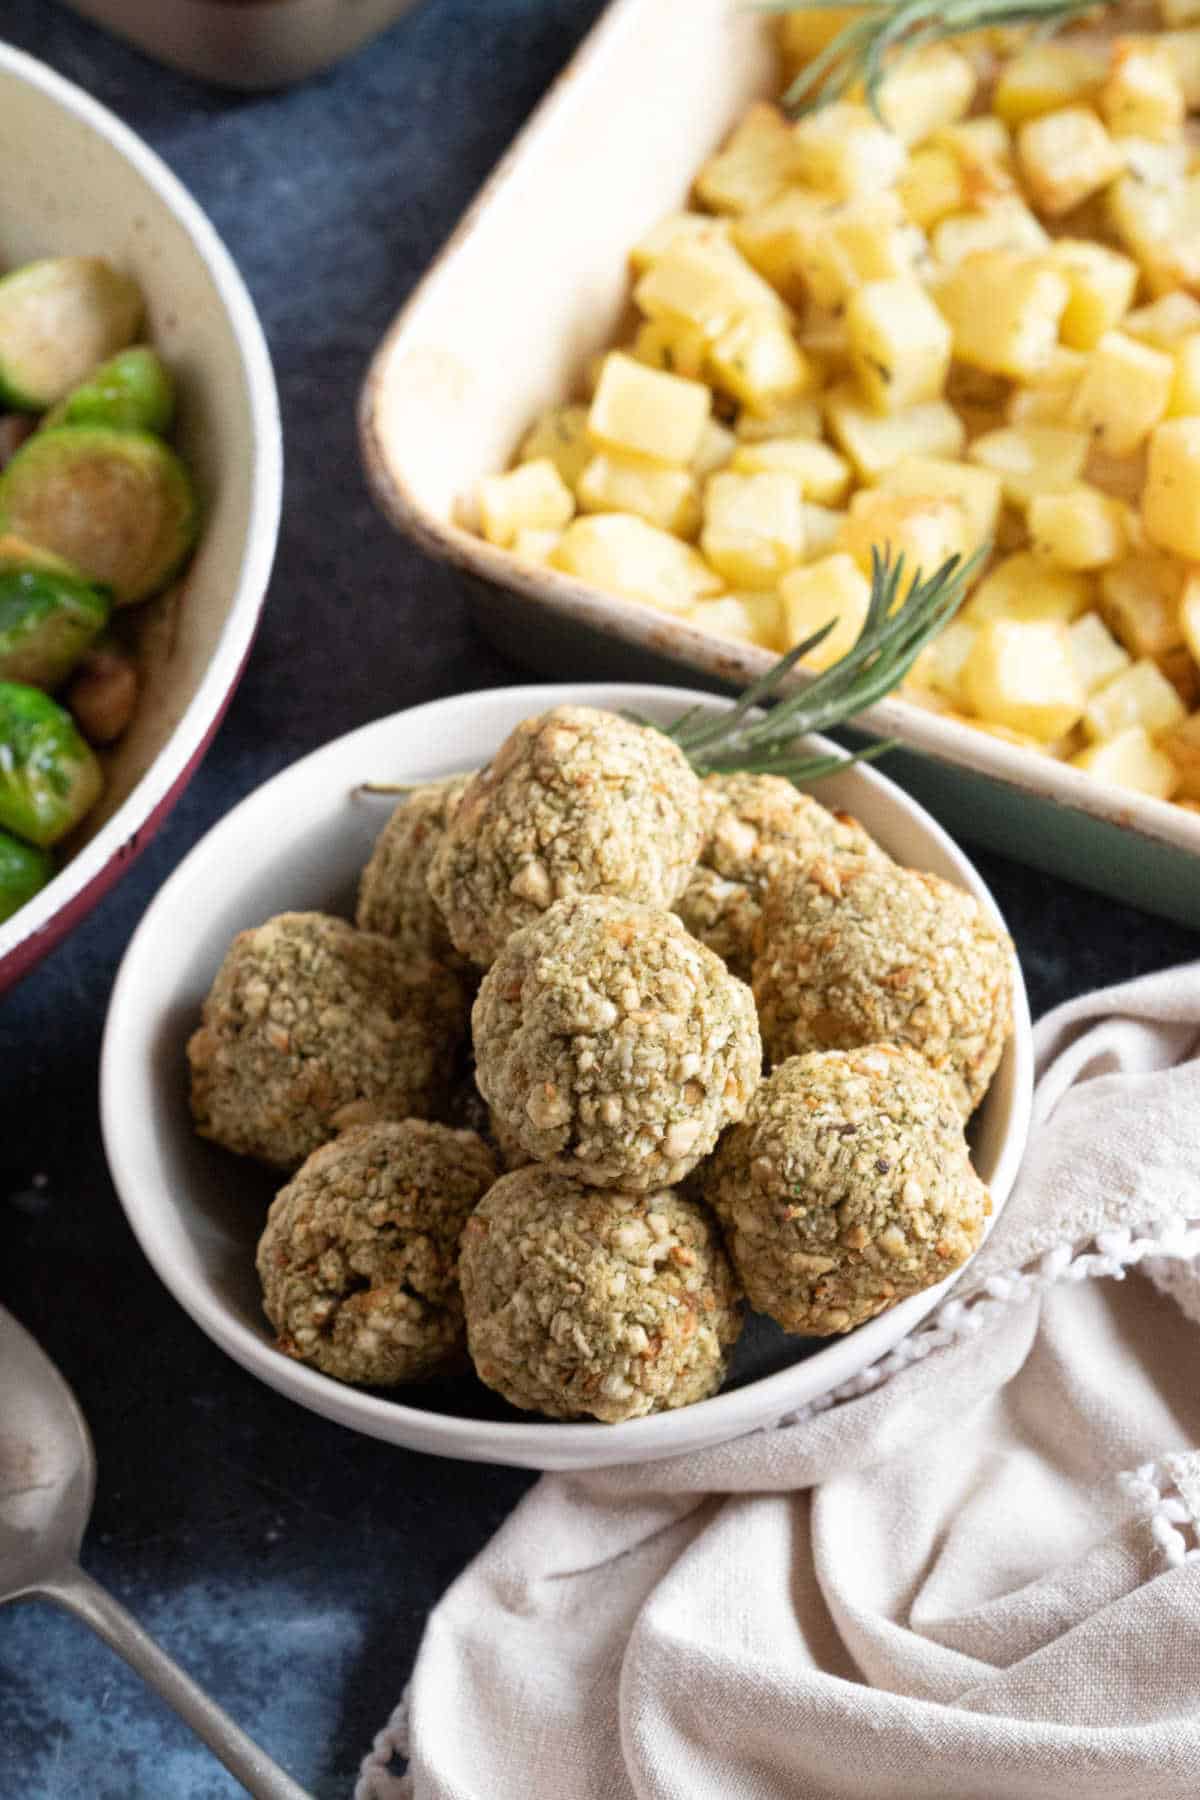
[
  {"x": 300, "y": 842},
  {"x": 77, "y": 181}
]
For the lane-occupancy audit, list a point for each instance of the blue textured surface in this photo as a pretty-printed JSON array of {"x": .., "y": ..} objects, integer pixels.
[{"x": 287, "y": 1563}]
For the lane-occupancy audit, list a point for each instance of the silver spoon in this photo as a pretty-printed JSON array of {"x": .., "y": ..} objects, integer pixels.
[{"x": 47, "y": 1480}]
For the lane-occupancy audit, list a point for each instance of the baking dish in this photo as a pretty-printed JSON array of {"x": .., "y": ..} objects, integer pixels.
[
  {"x": 245, "y": 43},
  {"x": 532, "y": 284}
]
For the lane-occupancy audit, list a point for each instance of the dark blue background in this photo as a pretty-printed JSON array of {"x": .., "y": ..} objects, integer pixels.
[{"x": 289, "y": 1564}]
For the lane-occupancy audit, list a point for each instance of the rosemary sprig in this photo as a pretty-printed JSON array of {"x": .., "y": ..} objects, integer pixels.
[
  {"x": 891, "y": 638},
  {"x": 860, "y": 51}
]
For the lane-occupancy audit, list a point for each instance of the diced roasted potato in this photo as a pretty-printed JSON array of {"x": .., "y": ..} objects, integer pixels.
[
  {"x": 534, "y": 546},
  {"x": 639, "y": 411},
  {"x": 532, "y": 496},
  {"x": 1032, "y": 459},
  {"x": 664, "y": 496},
  {"x": 706, "y": 284},
  {"x": 560, "y": 435},
  {"x": 1160, "y": 228},
  {"x": 1123, "y": 393},
  {"x": 940, "y": 664},
  {"x": 928, "y": 89},
  {"x": 899, "y": 344},
  {"x": 756, "y": 162},
  {"x": 1065, "y": 156},
  {"x": 1171, "y": 501},
  {"x": 672, "y": 346},
  {"x": 1002, "y": 224},
  {"x": 977, "y": 491},
  {"x": 1140, "y": 603},
  {"x": 777, "y": 240},
  {"x": 1165, "y": 321},
  {"x": 1025, "y": 587},
  {"x": 753, "y": 618},
  {"x": 875, "y": 442},
  {"x": 1095, "y": 651},
  {"x": 1079, "y": 528},
  {"x": 1183, "y": 47},
  {"x": 1179, "y": 12},
  {"x": 1020, "y": 673},
  {"x": 983, "y": 148},
  {"x": 932, "y": 186},
  {"x": 1185, "y": 384},
  {"x": 1046, "y": 400},
  {"x": 804, "y": 33},
  {"x": 1133, "y": 761},
  {"x": 1189, "y": 616},
  {"x": 1046, "y": 77},
  {"x": 798, "y": 416},
  {"x": 844, "y": 150},
  {"x": 823, "y": 248},
  {"x": 1183, "y": 747},
  {"x": 926, "y": 532},
  {"x": 833, "y": 588},
  {"x": 758, "y": 361},
  {"x": 818, "y": 472},
  {"x": 1143, "y": 96},
  {"x": 1139, "y": 695},
  {"x": 822, "y": 525},
  {"x": 753, "y": 527},
  {"x": 623, "y": 555},
  {"x": 716, "y": 446},
  {"x": 1004, "y": 311},
  {"x": 1102, "y": 284},
  {"x": 676, "y": 228}
]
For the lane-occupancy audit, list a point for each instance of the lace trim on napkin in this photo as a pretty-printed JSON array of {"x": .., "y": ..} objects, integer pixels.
[
  {"x": 376, "y": 1778},
  {"x": 1111, "y": 1255},
  {"x": 1172, "y": 1523}
]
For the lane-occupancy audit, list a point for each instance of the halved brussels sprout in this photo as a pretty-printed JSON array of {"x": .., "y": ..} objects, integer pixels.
[
  {"x": 47, "y": 621},
  {"x": 23, "y": 871},
  {"x": 48, "y": 776},
  {"x": 132, "y": 391},
  {"x": 58, "y": 319},
  {"x": 18, "y": 553},
  {"x": 118, "y": 504}
]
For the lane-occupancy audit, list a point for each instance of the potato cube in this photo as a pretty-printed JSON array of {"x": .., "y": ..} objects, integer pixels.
[
  {"x": 844, "y": 150},
  {"x": 1171, "y": 501},
  {"x": 822, "y": 526},
  {"x": 1064, "y": 157},
  {"x": 1004, "y": 311},
  {"x": 1102, "y": 284},
  {"x": 1165, "y": 322},
  {"x": 1024, "y": 587},
  {"x": 533, "y": 495},
  {"x": 757, "y": 161},
  {"x": 1143, "y": 96},
  {"x": 717, "y": 445},
  {"x": 676, "y": 228},
  {"x": 1179, "y": 12},
  {"x": 666, "y": 497},
  {"x": 640, "y": 411},
  {"x": 817, "y": 472},
  {"x": 1131, "y": 761},
  {"x": 1160, "y": 228},
  {"x": 1045, "y": 77},
  {"x": 1079, "y": 528},
  {"x": 983, "y": 148},
  {"x": 926, "y": 533},
  {"x": 1140, "y": 603},
  {"x": 875, "y": 442},
  {"x": 747, "y": 618},
  {"x": 1185, "y": 386},
  {"x": 1046, "y": 400},
  {"x": 1189, "y": 616},
  {"x": 1139, "y": 695},
  {"x": 824, "y": 248},
  {"x": 834, "y": 588},
  {"x": 1183, "y": 747},
  {"x": 1123, "y": 394},
  {"x": 926, "y": 90},
  {"x": 753, "y": 527},
  {"x": 1095, "y": 651},
  {"x": 804, "y": 33},
  {"x": 705, "y": 284},
  {"x": 932, "y": 186},
  {"x": 940, "y": 664},
  {"x": 1003, "y": 224},
  {"x": 777, "y": 240},
  {"x": 977, "y": 491},
  {"x": 1032, "y": 459},
  {"x": 534, "y": 546},
  {"x": 1019, "y": 673},
  {"x": 797, "y": 416},
  {"x": 559, "y": 434},
  {"x": 1183, "y": 47},
  {"x": 624, "y": 555},
  {"x": 758, "y": 361},
  {"x": 899, "y": 344}
]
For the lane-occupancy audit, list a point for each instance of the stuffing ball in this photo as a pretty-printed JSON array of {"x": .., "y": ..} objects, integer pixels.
[
  {"x": 575, "y": 801},
  {"x": 311, "y": 1027},
  {"x": 873, "y": 953},
  {"x": 847, "y": 1187},
  {"x": 754, "y": 825},
  {"x": 359, "y": 1259},
  {"x": 606, "y": 1035},
  {"x": 585, "y": 1301},
  {"x": 393, "y": 895}
]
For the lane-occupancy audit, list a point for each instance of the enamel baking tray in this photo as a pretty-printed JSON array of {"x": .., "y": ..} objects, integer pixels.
[{"x": 532, "y": 284}]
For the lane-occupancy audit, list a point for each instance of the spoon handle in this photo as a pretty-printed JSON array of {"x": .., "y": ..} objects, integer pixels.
[{"x": 78, "y": 1593}]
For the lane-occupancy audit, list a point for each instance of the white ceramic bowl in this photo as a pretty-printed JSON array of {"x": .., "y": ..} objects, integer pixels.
[
  {"x": 300, "y": 841},
  {"x": 77, "y": 180}
]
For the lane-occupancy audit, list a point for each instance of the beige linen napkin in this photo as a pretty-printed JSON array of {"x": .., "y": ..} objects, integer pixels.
[{"x": 974, "y": 1572}]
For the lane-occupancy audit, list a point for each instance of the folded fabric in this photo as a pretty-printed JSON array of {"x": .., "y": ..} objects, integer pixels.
[{"x": 971, "y": 1574}]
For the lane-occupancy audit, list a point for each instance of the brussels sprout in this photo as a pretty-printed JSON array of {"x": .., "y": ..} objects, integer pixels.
[
  {"x": 58, "y": 319},
  {"x": 132, "y": 391},
  {"x": 19, "y": 553},
  {"x": 23, "y": 870},
  {"x": 118, "y": 504},
  {"x": 46, "y": 624},
  {"x": 48, "y": 776}
]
